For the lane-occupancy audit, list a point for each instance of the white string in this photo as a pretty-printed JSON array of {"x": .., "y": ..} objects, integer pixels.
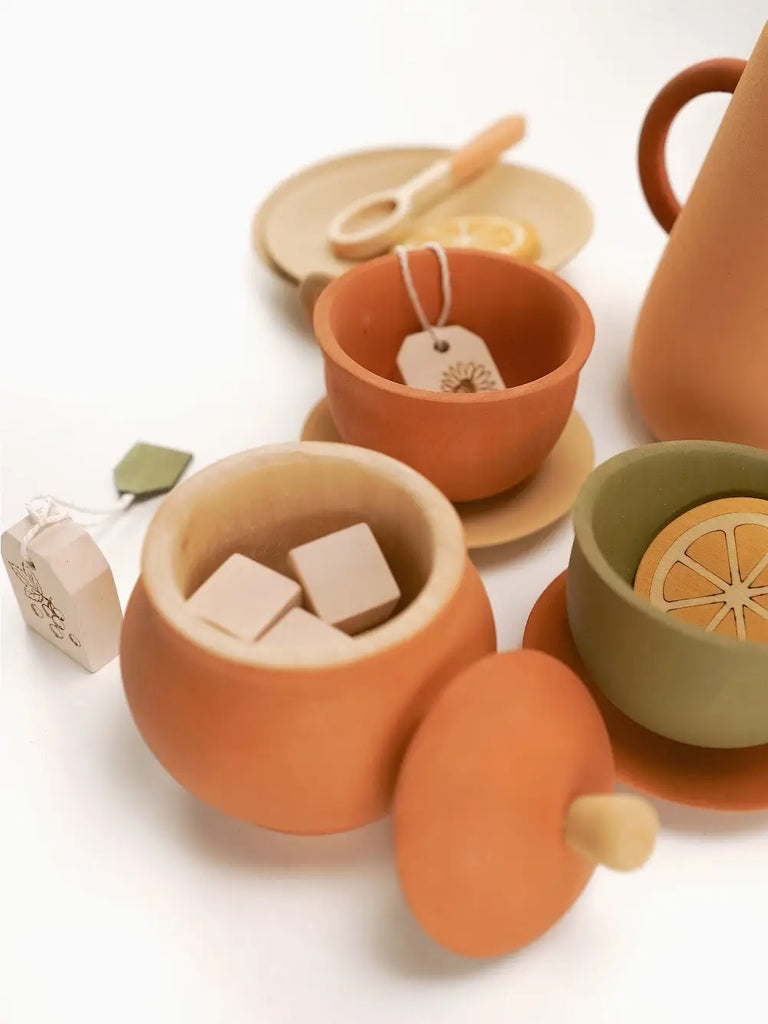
[
  {"x": 445, "y": 284},
  {"x": 109, "y": 510},
  {"x": 45, "y": 510}
]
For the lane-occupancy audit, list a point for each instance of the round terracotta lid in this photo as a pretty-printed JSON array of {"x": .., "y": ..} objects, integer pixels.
[{"x": 502, "y": 807}]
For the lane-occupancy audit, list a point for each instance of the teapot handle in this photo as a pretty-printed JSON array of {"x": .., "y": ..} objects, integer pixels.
[{"x": 719, "y": 75}]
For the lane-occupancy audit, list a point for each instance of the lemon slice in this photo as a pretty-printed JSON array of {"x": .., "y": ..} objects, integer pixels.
[
  {"x": 709, "y": 568},
  {"x": 494, "y": 234}
]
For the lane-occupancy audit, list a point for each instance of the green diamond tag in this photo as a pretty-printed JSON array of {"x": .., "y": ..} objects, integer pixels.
[{"x": 148, "y": 470}]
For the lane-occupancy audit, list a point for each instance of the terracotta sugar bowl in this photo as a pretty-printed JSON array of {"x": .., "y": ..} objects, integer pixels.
[{"x": 287, "y": 740}]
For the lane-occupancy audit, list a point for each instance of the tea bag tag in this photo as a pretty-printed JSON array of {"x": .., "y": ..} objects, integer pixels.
[
  {"x": 60, "y": 578},
  {"x": 63, "y": 584},
  {"x": 148, "y": 470},
  {"x": 448, "y": 358},
  {"x": 443, "y": 357}
]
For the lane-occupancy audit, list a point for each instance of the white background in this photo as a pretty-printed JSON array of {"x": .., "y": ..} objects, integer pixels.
[{"x": 138, "y": 139}]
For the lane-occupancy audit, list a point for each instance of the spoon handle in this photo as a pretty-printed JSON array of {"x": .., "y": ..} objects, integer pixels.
[{"x": 486, "y": 148}]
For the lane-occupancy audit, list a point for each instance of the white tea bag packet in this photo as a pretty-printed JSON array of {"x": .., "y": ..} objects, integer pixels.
[
  {"x": 443, "y": 357},
  {"x": 61, "y": 580},
  {"x": 65, "y": 590},
  {"x": 449, "y": 358}
]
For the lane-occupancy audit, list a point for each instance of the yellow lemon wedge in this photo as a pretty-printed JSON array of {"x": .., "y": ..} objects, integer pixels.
[{"x": 482, "y": 231}]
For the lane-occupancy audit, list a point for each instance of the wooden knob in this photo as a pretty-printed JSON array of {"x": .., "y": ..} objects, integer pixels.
[{"x": 617, "y": 830}]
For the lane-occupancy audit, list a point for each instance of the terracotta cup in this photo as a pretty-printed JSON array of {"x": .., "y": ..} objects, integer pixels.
[
  {"x": 538, "y": 329},
  {"x": 670, "y": 676},
  {"x": 292, "y": 741},
  {"x": 700, "y": 358}
]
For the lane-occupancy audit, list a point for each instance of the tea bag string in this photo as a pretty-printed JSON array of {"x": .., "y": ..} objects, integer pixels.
[
  {"x": 45, "y": 510},
  {"x": 445, "y": 284}
]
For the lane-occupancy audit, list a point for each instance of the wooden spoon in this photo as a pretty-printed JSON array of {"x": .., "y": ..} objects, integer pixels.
[{"x": 373, "y": 224}]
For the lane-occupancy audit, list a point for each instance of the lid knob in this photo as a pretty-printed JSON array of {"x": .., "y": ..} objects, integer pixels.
[
  {"x": 617, "y": 830},
  {"x": 504, "y": 806}
]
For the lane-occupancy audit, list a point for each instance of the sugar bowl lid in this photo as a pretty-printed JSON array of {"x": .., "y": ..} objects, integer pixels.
[{"x": 503, "y": 805}]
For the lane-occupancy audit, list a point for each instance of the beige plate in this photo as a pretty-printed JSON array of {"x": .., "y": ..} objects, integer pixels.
[
  {"x": 543, "y": 499},
  {"x": 289, "y": 229}
]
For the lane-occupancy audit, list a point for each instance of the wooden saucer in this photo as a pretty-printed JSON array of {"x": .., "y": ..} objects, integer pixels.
[
  {"x": 538, "y": 502},
  {"x": 722, "y": 779},
  {"x": 290, "y": 227}
]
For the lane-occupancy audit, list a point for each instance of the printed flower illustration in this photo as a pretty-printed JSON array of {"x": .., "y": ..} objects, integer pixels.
[
  {"x": 467, "y": 378},
  {"x": 42, "y": 606}
]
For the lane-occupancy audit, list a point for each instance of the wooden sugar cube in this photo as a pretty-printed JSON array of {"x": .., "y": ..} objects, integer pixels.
[
  {"x": 65, "y": 590},
  {"x": 244, "y": 598},
  {"x": 346, "y": 579},
  {"x": 302, "y": 629}
]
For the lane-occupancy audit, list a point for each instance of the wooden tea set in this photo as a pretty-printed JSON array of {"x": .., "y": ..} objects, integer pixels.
[{"x": 381, "y": 688}]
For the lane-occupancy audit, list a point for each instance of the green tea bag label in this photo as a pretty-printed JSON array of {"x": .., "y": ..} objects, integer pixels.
[{"x": 148, "y": 470}]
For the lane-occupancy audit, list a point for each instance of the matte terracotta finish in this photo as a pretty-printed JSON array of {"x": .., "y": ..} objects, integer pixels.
[
  {"x": 720, "y": 75},
  {"x": 483, "y": 799},
  {"x": 288, "y": 739},
  {"x": 538, "y": 329},
  {"x": 699, "y": 362},
  {"x": 718, "y": 779},
  {"x": 521, "y": 511}
]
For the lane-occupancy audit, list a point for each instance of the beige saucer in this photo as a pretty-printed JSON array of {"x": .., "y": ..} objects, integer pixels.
[
  {"x": 538, "y": 502},
  {"x": 290, "y": 227}
]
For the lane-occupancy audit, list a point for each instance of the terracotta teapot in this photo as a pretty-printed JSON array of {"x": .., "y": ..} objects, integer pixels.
[{"x": 699, "y": 362}]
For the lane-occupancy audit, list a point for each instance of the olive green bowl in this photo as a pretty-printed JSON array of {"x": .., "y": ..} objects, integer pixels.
[{"x": 674, "y": 678}]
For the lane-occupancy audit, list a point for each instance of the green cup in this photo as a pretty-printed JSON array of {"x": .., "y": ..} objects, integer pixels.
[{"x": 674, "y": 678}]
